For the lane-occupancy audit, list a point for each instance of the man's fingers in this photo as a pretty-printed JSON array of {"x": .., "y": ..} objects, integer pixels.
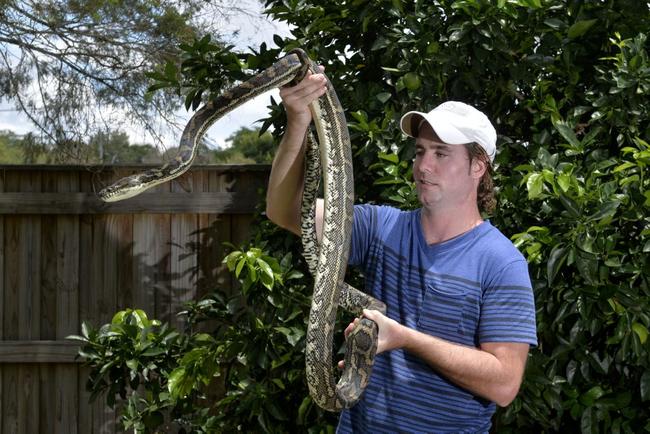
[
  {"x": 350, "y": 327},
  {"x": 306, "y": 87},
  {"x": 312, "y": 80},
  {"x": 298, "y": 100}
]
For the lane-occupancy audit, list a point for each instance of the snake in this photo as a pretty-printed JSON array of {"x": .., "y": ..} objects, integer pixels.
[{"x": 328, "y": 159}]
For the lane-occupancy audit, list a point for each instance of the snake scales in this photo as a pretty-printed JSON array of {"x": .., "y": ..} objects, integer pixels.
[{"x": 326, "y": 261}]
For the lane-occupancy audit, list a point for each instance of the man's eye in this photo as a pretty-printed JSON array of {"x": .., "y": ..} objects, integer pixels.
[{"x": 440, "y": 155}]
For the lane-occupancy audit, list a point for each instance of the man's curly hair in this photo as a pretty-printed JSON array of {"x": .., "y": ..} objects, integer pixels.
[{"x": 485, "y": 197}]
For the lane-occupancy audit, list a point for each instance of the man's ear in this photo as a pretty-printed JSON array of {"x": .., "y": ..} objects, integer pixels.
[{"x": 478, "y": 168}]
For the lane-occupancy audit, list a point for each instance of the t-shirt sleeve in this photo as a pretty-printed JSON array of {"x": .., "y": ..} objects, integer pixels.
[
  {"x": 371, "y": 224},
  {"x": 508, "y": 308},
  {"x": 363, "y": 227}
]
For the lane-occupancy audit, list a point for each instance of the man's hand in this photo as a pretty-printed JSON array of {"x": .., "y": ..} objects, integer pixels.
[
  {"x": 296, "y": 99},
  {"x": 390, "y": 331}
]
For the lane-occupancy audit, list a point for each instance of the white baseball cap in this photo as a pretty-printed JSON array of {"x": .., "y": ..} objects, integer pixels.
[{"x": 455, "y": 123}]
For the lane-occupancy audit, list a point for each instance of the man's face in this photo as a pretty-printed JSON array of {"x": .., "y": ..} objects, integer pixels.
[{"x": 442, "y": 172}]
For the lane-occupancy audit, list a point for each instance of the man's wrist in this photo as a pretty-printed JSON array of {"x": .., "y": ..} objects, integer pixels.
[
  {"x": 295, "y": 134},
  {"x": 407, "y": 337}
]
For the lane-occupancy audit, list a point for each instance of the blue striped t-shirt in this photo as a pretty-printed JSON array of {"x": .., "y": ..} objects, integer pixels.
[{"x": 471, "y": 289}]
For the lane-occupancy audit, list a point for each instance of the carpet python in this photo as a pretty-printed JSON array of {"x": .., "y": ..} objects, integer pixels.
[{"x": 328, "y": 260}]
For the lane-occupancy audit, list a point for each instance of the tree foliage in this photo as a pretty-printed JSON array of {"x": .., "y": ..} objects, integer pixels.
[
  {"x": 103, "y": 147},
  {"x": 74, "y": 67},
  {"x": 247, "y": 146},
  {"x": 567, "y": 84}
]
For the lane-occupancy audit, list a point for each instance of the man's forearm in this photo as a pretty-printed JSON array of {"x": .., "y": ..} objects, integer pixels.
[
  {"x": 286, "y": 181},
  {"x": 493, "y": 373}
]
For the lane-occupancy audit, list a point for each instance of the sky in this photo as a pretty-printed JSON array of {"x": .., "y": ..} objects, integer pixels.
[{"x": 251, "y": 33}]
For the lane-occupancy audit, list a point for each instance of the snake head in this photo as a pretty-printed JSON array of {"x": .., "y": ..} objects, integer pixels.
[{"x": 122, "y": 189}]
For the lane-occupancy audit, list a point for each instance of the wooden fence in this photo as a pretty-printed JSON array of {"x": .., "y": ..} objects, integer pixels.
[{"x": 66, "y": 257}]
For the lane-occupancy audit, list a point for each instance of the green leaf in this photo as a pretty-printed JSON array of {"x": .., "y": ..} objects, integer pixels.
[
  {"x": 591, "y": 396},
  {"x": 240, "y": 265},
  {"x": 231, "y": 259},
  {"x": 383, "y": 96},
  {"x": 579, "y": 28},
  {"x": 252, "y": 272},
  {"x": 646, "y": 247},
  {"x": 118, "y": 318},
  {"x": 86, "y": 329},
  {"x": 179, "y": 385},
  {"x": 564, "y": 181},
  {"x": 623, "y": 166},
  {"x": 555, "y": 23},
  {"x": 154, "y": 351},
  {"x": 585, "y": 242},
  {"x": 641, "y": 331},
  {"x": 607, "y": 209},
  {"x": 644, "y": 385},
  {"x": 305, "y": 405},
  {"x": 380, "y": 43},
  {"x": 587, "y": 265},
  {"x": 555, "y": 260},
  {"x": 570, "y": 205},
  {"x": 568, "y": 134},
  {"x": 587, "y": 421},
  {"x": 393, "y": 158},
  {"x": 267, "y": 280},
  {"x": 265, "y": 267},
  {"x": 278, "y": 382},
  {"x": 535, "y": 185}
]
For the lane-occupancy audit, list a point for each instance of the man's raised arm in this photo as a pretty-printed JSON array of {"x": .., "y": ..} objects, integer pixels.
[{"x": 286, "y": 182}]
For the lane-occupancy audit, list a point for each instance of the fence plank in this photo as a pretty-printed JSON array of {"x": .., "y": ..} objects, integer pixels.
[
  {"x": 29, "y": 307},
  {"x": 47, "y": 373},
  {"x": 87, "y": 303},
  {"x": 182, "y": 254},
  {"x": 47, "y": 392},
  {"x": 37, "y": 351},
  {"x": 124, "y": 268},
  {"x": 156, "y": 203},
  {"x": 144, "y": 268},
  {"x": 10, "y": 401},
  {"x": 66, "y": 377},
  {"x": 103, "y": 280}
]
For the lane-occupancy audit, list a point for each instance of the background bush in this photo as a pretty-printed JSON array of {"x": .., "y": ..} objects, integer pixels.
[{"x": 567, "y": 85}]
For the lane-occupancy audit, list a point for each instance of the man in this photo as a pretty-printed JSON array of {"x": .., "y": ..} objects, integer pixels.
[{"x": 461, "y": 314}]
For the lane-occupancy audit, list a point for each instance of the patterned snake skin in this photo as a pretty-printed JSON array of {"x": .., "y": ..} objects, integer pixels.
[{"x": 327, "y": 261}]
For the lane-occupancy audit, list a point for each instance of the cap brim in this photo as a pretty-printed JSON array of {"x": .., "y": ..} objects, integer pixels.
[
  {"x": 442, "y": 126},
  {"x": 411, "y": 122}
]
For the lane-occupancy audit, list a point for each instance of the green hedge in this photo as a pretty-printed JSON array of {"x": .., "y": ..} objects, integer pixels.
[{"x": 567, "y": 84}]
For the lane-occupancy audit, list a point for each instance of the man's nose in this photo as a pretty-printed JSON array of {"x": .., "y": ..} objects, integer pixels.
[{"x": 427, "y": 163}]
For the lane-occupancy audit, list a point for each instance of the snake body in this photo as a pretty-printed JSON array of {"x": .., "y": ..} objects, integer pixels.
[{"x": 327, "y": 261}]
